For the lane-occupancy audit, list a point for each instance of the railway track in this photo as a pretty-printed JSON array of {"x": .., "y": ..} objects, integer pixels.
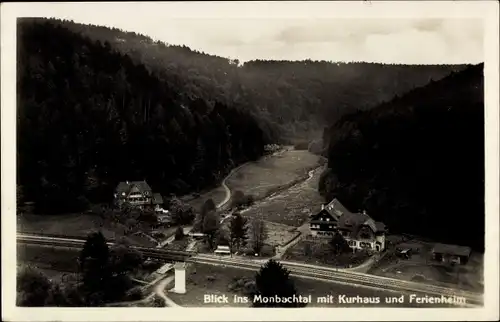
[
  {"x": 352, "y": 278},
  {"x": 296, "y": 269},
  {"x": 76, "y": 243}
]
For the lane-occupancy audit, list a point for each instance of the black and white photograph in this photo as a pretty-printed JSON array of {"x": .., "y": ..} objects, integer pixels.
[{"x": 217, "y": 155}]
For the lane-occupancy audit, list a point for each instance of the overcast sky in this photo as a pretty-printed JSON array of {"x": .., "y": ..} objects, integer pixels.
[
  {"x": 381, "y": 40},
  {"x": 413, "y": 41}
]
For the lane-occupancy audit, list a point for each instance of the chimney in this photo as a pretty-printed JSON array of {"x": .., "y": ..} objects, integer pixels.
[
  {"x": 322, "y": 206},
  {"x": 127, "y": 182}
]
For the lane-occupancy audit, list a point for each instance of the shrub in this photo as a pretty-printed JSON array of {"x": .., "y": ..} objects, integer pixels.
[
  {"x": 418, "y": 278},
  {"x": 158, "y": 235},
  {"x": 148, "y": 216},
  {"x": 267, "y": 251},
  {"x": 134, "y": 294},
  {"x": 241, "y": 200},
  {"x": 249, "y": 288},
  {"x": 179, "y": 233},
  {"x": 302, "y": 145},
  {"x": 158, "y": 302}
]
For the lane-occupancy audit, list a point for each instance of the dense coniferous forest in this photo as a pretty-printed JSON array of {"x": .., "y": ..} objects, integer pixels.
[
  {"x": 416, "y": 162},
  {"x": 90, "y": 117},
  {"x": 296, "y": 98},
  {"x": 98, "y": 105}
]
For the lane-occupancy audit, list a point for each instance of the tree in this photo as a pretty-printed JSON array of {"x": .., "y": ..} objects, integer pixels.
[
  {"x": 338, "y": 244},
  {"x": 131, "y": 224},
  {"x": 208, "y": 205},
  {"x": 238, "y": 231},
  {"x": 307, "y": 249},
  {"x": 274, "y": 280},
  {"x": 95, "y": 268},
  {"x": 124, "y": 259},
  {"x": 237, "y": 198},
  {"x": 259, "y": 235},
  {"x": 222, "y": 238},
  {"x": 33, "y": 288},
  {"x": 199, "y": 165},
  {"x": 182, "y": 213},
  {"x": 179, "y": 233},
  {"x": 210, "y": 227}
]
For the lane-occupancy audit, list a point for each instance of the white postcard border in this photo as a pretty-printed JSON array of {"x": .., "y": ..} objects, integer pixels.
[{"x": 486, "y": 10}]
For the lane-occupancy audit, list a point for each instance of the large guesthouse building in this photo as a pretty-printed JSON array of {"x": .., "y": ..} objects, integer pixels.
[
  {"x": 359, "y": 230},
  {"x": 137, "y": 194},
  {"x": 325, "y": 222}
]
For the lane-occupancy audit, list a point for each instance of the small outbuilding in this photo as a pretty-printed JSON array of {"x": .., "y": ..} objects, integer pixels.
[
  {"x": 453, "y": 254},
  {"x": 222, "y": 250}
]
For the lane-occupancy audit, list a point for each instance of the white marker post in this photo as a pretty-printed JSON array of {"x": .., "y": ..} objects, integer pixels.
[{"x": 180, "y": 278}]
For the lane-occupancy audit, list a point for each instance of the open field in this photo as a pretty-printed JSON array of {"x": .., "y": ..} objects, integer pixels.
[
  {"x": 293, "y": 206},
  {"x": 178, "y": 244},
  {"x": 60, "y": 263},
  {"x": 77, "y": 225},
  {"x": 278, "y": 234},
  {"x": 217, "y": 195},
  {"x": 48, "y": 258},
  {"x": 319, "y": 253},
  {"x": 260, "y": 178},
  {"x": 206, "y": 279},
  {"x": 420, "y": 267},
  {"x": 57, "y": 276}
]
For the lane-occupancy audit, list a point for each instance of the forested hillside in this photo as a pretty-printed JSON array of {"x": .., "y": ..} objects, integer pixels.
[
  {"x": 417, "y": 162},
  {"x": 298, "y": 98},
  {"x": 97, "y": 106},
  {"x": 89, "y": 117}
]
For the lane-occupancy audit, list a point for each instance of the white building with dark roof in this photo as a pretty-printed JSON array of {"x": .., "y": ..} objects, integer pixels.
[
  {"x": 360, "y": 230},
  {"x": 138, "y": 194},
  {"x": 451, "y": 253}
]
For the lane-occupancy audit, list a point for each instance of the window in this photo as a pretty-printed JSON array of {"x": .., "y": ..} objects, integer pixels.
[
  {"x": 327, "y": 219},
  {"x": 365, "y": 245},
  {"x": 365, "y": 235}
]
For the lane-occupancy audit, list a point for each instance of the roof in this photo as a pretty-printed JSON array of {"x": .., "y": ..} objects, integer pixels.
[
  {"x": 451, "y": 249},
  {"x": 196, "y": 234},
  {"x": 315, "y": 218},
  {"x": 157, "y": 199},
  {"x": 165, "y": 218},
  {"x": 126, "y": 186},
  {"x": 336, "y": 207},
  {"x": 223, "y": 249},
  {"x": 353, "y": 222}
]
